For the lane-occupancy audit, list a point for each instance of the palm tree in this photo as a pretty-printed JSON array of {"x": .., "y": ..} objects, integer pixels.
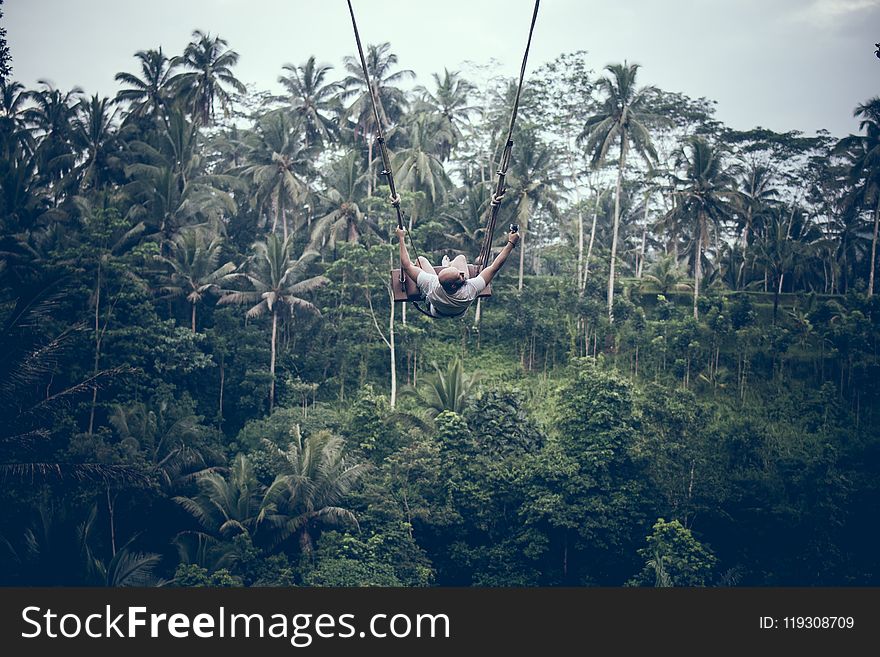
[
  {"x": 51, "y": 118},
  {"x": 13, "y": 97},
  {"x": 666, "y": 275},
  {"x": 94, "y": 134},
  {"x": 173, "y": 445},
  {"x": 194, "y": 266},
  {"x": 277, "y": 164},
  {"x": 445, "y": 390},
  {"x": 24, "y": 199},
  {"x": 786, "y": 246},
  {"x": 210, "y": 63},
  {"x": 417, "y": 166},
  {"x": 865, "y": 170},
  {"x": 147, "y": 95},
  {"x": 55, "y": 550},
  {"x": 226, "y": 506},
  {"x": 390, "y": 99},
  {"x": 621, "y": 122},
  {"x": 125, "y": 567},
  {"x": 312, "y": 99},
  {"x": 465, "y": 214},
  {"x": 851, "y": 240},
  {"x": 314, "y": 480},
  {"x": 534, "y": 181},
  {"x": 756, "y": 192},
  {"x": 344, "y": 220},
  {"x": 703, "y": 197},
  {"x": 278, "y": 283},
  {"x": 28, "y": 400},
  {"x": 111, "y": 239},
  {"x": 450, "y": 103},
  {"x": 167, "y": 187},
  {"x": 13, "y": 105}
]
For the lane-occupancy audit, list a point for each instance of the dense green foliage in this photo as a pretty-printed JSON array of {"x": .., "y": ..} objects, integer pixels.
[{"x": 204, "y": 382}]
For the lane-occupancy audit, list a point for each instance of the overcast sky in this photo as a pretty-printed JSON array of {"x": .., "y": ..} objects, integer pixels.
[{"x": 782, "y": 64}]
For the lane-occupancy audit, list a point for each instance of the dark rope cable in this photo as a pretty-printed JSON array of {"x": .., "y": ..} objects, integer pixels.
[
  {"x": 380, "y": 138},
  {"x": 498, "y": 194}
]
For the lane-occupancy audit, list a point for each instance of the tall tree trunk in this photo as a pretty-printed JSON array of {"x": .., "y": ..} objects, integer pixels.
[
  {"x": 644, "y": 236},
  {"x": 282, "y": 216},
  {"x": 874, "y": 249},
  {"x": 523, "y": 214},
  {"x": 777, "y": 290},
  {"x": 222, "y": 385},
  {"x": 580, "y": 265},
  {"x": 112, "y": 516},
  {"x": 97, "y": 349},
  {"x": 371, "y": 180},
  {"x": 478, "y": 314},
  {"x": 272, "y": 361},
  {"x": 698, "y": 263},
  {"x": 392, "y": 349},
  {"x": 616, "y": 229},
  {"x": 642, "y": 253},
  {"x": 747, "y": 229},
  {"x": 194, "y": 318},
  {"x": 580, "y": 217},
  {"x": 592, "y": 241}
]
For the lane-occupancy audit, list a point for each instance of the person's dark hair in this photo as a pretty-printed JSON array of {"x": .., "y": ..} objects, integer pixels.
[{"x": 451, "y": 287}]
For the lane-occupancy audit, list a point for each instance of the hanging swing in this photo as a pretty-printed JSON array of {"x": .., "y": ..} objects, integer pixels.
[{"x": 404, "y": 287}]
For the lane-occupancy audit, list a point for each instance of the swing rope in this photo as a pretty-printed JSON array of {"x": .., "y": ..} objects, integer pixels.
[
  {"x": 498, "y": 194},
  {"x": 380, "y": 139},
  {"x": 500, "y": 188}
]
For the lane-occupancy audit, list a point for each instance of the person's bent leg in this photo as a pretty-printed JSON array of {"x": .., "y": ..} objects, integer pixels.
[
  {"x": 425, "y": 264},
  {"x": 460, "y": 263}
]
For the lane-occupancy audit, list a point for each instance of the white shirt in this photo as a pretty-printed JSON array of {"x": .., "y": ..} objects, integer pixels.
[{"x": 444, "y": 304}]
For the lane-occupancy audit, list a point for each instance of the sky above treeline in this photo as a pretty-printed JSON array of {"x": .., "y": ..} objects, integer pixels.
[{"x": 781, "y": 64}]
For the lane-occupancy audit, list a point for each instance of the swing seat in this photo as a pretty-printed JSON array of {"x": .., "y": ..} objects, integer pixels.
[{"x": 409, "y": 291}]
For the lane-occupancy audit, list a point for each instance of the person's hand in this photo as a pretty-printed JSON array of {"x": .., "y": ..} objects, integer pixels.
[
  {"x": 512, "y": 238},
  {"x": 401, "y": 233}
]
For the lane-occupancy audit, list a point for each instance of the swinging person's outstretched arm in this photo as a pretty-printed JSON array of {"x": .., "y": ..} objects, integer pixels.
[
  {"x": 405, "y": 263},
  {"x": 489, "y": 272}
]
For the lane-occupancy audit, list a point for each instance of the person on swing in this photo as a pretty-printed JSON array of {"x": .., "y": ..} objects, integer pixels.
[{"x": 450, "y": 293}]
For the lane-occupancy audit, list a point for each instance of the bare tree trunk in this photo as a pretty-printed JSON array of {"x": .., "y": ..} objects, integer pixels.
[
  {"x": 776, "y": 292},
  {"x": 194, "y": 318},
  {"x": 272, "y": 362},
  {"x": 371, "y": 181},
  {"x": 642, "y": 253},
  {"x": 580, "y": 265},
  {"x": 580, "y": 216},
  {"x": 747, "y": 229},
  {"x": 222, "y": 385},
  {"x": 478, "y": 314},
  {"x": 698, "y": 265},
  {"x": 112, "y": 522},
  {"x": 874, "y": 249},
  {"x": 644, "y": 237},
  {"x": 522, "y": 256},
  {"x": 616, "y": 229},
  {"x": 97, "y": 349},
  {"x": 391, "y": 347},
  {"x": 282, "y": 216},
  {"x": 389, "y": 341},
  {"x": 592, "y": 241}
]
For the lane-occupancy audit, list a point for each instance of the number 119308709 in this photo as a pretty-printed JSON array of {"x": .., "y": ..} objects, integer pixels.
[{"x": 807, "y": 623}]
